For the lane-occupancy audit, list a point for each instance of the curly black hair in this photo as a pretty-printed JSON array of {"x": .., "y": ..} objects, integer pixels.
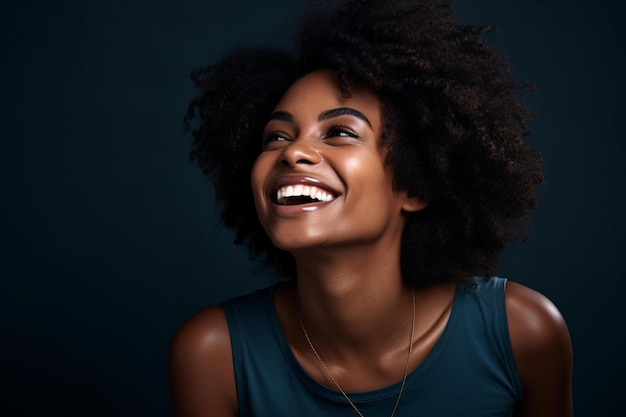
[{"x": 453, "y": 123}]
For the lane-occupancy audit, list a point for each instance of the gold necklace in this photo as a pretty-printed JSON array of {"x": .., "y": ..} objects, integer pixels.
[{"x": 406, "y": 369}]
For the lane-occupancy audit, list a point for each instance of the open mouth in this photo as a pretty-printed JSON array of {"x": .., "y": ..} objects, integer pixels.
[{"x": 291, "y": 195}]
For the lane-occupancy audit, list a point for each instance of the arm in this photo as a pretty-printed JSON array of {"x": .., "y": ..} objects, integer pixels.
[
  {"x": 543, "y": 353},
  {"x": 202, "y": 377}
]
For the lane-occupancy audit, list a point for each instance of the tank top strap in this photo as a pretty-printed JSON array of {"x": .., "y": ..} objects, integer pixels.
[{"x": 486, "y": 304}]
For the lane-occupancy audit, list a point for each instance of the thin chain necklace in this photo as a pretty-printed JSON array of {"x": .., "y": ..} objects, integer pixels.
[{"x": 406, "y": 368}]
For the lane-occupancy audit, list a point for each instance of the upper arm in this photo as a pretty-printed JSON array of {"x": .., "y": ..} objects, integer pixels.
[
  {"x": 542, "y": 351},
  {"x": 202, "y": 378}
]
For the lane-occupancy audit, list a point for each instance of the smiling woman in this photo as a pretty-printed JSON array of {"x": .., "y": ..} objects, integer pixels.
[
  {"x": 333, "y": 144},
  {"x": 382, "y": 169}
]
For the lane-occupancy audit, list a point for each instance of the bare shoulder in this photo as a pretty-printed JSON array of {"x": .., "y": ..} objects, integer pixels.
[
  {"x": 543, "y": 352},
  {"x": 534, "y": 321},
  {"x": 202, "y": 378}
]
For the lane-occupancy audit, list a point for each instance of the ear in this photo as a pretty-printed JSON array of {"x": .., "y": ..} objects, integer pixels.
[{"x": 413, "y": 204}]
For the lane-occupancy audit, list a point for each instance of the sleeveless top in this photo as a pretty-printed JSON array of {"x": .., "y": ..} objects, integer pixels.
[{"x": 469, "y": 372}]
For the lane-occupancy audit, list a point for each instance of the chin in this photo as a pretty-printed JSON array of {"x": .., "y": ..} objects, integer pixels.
[{"x": 293, "y": 243}]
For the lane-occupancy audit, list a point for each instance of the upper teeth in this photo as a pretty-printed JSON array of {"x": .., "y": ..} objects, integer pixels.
[{"x": 302, "y": 191}]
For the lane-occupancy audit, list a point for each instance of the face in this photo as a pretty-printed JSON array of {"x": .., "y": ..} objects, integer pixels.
[{"x": 321, "y": 179}]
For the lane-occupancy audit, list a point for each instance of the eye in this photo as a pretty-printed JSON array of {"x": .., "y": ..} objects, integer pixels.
[
  {"x": 340, "y": 131},
  {"x": 274, "y": 136}
]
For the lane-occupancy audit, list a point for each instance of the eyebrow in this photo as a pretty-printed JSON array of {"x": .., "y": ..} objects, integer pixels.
[
  {"x": 326, "y": 115},
  {"x": 282, "y": 116},
  {"x": 341, "y": 111}
]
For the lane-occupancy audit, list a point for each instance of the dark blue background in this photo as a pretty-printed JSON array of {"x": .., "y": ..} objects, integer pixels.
[{"x": 109, "y": 236}]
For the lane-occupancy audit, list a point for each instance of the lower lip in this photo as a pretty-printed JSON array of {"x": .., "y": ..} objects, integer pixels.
[{"x": 299, "y": 209}]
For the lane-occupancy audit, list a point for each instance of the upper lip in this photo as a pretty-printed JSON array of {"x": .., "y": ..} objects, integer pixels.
[{"x": 295, "y": 179}]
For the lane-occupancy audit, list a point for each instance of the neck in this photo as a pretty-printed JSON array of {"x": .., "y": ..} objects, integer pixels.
[
  {"x": 349, "y": 299},
  {"x": 358, "y": 315}
]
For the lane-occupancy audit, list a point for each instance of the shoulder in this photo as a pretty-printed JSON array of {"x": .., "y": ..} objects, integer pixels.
[
  {"x": 535, "y": 324},
  {"x": 542, "y": 350},
  {"x": 202, "y": 379},
  {"x": 205, "y": 332}
]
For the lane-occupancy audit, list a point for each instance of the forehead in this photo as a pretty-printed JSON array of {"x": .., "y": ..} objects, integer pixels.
[{"x": 319, "y": 91}]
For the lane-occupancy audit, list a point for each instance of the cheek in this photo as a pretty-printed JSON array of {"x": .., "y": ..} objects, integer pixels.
[
  {"x": 353, "y": 166},
  {"x": 371, "y": 173}
]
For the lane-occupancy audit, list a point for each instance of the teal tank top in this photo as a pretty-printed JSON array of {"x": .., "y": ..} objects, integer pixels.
[{"x": 470, "y": 371}]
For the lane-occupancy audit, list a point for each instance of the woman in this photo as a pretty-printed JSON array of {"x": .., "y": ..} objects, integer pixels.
[{"x": 382, "y": 171}]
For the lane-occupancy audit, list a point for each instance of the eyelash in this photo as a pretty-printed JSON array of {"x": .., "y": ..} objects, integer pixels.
[
  {"x": 274, "y": 136},
  {"x": 341, "y": 131},
  {"x": 332, "y": 132}
]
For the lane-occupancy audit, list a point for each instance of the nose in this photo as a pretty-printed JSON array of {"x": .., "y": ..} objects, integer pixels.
[{"x": 301, "y": 151}]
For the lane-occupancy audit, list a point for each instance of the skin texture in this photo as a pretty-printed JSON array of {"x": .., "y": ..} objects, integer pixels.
[{"x": 349, "y": 284}]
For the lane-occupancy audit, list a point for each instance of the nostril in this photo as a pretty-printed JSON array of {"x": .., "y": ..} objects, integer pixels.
[
  {"x": 300, "y": 152},
  {"x": 302, "y": 161}
]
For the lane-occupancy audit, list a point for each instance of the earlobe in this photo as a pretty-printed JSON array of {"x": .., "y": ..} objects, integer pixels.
[{"x": 413, "y": 204}]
